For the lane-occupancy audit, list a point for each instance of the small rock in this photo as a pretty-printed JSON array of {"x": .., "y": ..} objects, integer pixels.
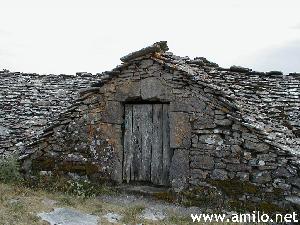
[
  {"x": 239, "y": 69},
  {"x": 14, "y": 201},
  {"x": 153, "y": 214},
  {"x": 113, "y": 217},
  {"x": 49, "y": 202},
  {"x": 259, "y": 147},
  {"x": 282, "y": 172},
  {"x": 4, "y": 131},
  {"x": 243, "y": 176},
  {"x": 274, "y": 73},
  {"x": 293, "y": 199},
  {"x": 223, "y": 122},
  {"x": 218, "y": 174},
  {"x": 261, "y": 177}
]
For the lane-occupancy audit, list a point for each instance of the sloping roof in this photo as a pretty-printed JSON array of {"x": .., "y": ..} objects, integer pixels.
[
  {"x": 266, "y": 102},
  {"x": 28, "y": 101}
]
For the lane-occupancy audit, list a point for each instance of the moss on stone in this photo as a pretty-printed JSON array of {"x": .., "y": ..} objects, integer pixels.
[
  {"x": 268, "y": 207},
  {"x": 82, "y": 168},
  {"x": 43, "y": 164},
  {"x": 91, "y": 168},
  {"x": 72, "y": 167},
  {"x": 234, "y": 188},
  {"x": 276, "y": 193},
  {"x": 62, "y": 183},
  {"x": 247, "y": 206},
  {"x": 165, "y": 196},
  {"x": 204, "y": 197},
  {"x": 241, "y": 206}
]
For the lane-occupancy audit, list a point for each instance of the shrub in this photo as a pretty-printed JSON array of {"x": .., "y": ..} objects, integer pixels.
[
  {"x": 80, "y": 187},
  {"x": 10, "y": 169}
]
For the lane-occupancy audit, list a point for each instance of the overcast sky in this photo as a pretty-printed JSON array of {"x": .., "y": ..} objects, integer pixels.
[{"x": 68, "y": 36}]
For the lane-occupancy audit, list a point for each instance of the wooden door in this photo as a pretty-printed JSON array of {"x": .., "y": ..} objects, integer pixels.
[{"x": 147, "y": 154}]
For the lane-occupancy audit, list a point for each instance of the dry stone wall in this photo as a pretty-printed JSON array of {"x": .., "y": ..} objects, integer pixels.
[{"x": 207, "y": 137}]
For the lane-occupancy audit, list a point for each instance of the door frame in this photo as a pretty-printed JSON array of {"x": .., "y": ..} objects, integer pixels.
[{"x": 142, "y": 102}]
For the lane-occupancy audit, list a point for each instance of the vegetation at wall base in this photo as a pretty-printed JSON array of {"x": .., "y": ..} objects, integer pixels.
[{"x": 10, "y": 169}]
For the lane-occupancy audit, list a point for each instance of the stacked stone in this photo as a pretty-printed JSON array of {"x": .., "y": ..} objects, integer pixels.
[{"x": 28, "y": 101}]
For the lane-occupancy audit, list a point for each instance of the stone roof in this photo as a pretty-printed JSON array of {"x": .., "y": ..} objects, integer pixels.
[
  {"x": 270, "y": 102},
  {"x": 29, "y": 101}
]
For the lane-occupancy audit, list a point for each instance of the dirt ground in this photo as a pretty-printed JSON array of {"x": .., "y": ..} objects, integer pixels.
[{"x": 20, "y": 206}]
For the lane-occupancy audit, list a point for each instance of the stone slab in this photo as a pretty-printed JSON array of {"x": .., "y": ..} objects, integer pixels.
[{"x": 65, "y": 216}]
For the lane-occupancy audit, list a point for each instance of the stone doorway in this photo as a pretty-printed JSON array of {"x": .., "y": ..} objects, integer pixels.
[{"x": 147, "y": 154}]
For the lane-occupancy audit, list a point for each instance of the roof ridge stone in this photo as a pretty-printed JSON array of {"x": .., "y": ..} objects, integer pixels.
[{"x": 157, "y": 47}]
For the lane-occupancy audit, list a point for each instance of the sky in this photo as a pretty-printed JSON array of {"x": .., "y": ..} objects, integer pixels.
[{"x": 69, "y": 36}]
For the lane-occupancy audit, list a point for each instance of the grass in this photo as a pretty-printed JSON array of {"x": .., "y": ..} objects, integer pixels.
[
  {"x": 21, "y": 200},
  {"x": 19, "y": 205}
]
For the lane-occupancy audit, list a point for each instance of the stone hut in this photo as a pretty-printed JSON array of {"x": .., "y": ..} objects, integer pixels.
[{"x": 178, "y": 122}]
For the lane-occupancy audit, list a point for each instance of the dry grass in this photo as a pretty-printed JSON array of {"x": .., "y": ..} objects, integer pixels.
[{"x": 20, "y": 205}]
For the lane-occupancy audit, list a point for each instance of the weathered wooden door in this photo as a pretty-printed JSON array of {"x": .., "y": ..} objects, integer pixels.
[{"x": 147, "y": 154}]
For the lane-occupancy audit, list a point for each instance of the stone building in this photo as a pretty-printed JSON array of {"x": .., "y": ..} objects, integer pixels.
[{"x": 178, "y": 122}]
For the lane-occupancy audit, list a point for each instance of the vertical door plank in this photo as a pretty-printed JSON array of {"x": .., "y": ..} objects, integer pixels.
[
  {"x": 167, "y": 155},
  {"x": 156, "y": 161},
  {"x": 136, "y": 142},
  {"x": 128, "y": 151},
  {"x": 146, "y": 139}
]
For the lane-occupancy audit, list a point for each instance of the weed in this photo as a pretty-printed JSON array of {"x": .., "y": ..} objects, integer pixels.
[
  {"x": 10, "y": 169},
  {"x": 131, "y": 214}
]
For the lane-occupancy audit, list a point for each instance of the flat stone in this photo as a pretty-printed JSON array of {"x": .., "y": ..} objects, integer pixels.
[
  {"x": 153, "y": 89},
  {"x": 142, "y": 189},
  {"x": 127, "y": 91},
  {"x": 218, "y": 174},
  {"x": 211, "y": 139},
  {"x": 282, "y": 172},
  {"x": 179, "y": 170},
  {"x": 187, "y": 105},
  {"x": 239, "y": 69},
  {"x": 259, "y": 147},
  {"x": 237, "y": 167},
  {"x": 203, "y": 121},
  {"x": 223, "y": 122},
  {"x": 180, "y": 130},
  {"x": 49, "y": 202},
  {"x": 293, "y": 199},
  {"x": 296, "y": 182},
  {"x": 117, "y": 116},
  {"x": 65, "y": 216},
  {"x": 153, "y": 214},
  {"x": 14, "y": 201},
  {"x": 202, "y": 162},
  {"x": 261, "y": 177},
  {"x": 198, "y": 174},
  {"x": 4, "y": 131},
  {"x": 146, "y": 63},
  {"x": 243, "y": 176}
]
